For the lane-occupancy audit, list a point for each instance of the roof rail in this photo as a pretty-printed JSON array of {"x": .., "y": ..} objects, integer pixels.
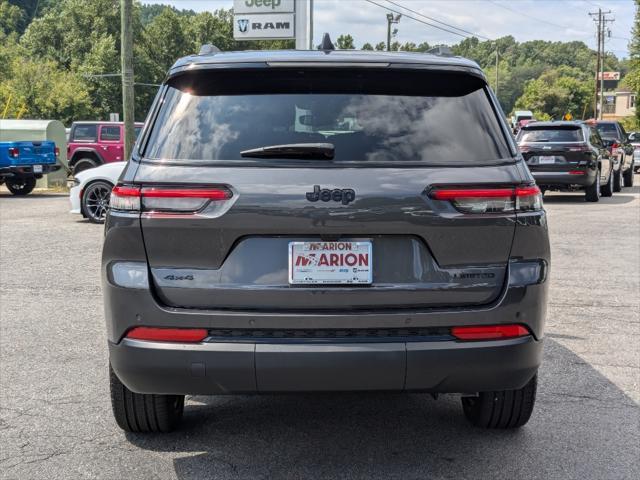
[
  {"x": 441, "y": 50},
  {"x": 326, "y": 43},
  {"x": 208, "y": 49}
]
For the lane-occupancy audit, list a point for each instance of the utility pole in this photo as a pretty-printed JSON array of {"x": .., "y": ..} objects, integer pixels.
[
  {"x": 599, "y": 78},
  {"x": 126, "y": 53},
  {"x": 595, "y": 97},
  {"x": 497, "y": 69},
  {"x": 604, "y": 56},
  {"x": 391, "y": 19}
]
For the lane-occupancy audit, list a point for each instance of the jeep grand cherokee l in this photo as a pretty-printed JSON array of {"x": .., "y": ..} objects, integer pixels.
[
  {"x": 295, "y": 221},
  {"x": 568, "y": 156}
]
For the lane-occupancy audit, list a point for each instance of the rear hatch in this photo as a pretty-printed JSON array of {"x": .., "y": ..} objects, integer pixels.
[
  {"x": 33, "y": 153},
  {"x": 556, "y": 148},
  {"x": 219, "y": 226}
]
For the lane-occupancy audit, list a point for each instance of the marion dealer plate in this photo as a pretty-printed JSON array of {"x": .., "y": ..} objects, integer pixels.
[{"x": 330, "y": 263}]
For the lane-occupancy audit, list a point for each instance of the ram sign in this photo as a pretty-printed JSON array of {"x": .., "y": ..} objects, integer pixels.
[{"x": 264, "y": 26}]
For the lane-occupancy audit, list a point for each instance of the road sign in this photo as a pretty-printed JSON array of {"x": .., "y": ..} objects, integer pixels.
[
  {"x": 264, "y": 26},
  {"x": 568, "y": 117},
  {"x": 263, "y": 6}
]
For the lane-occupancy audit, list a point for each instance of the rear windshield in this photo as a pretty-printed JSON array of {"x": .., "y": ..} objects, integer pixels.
[
  {"x": 550, "y": 134},
  {"x": 367, "y": 118},
  {"x": 607, "y": 130}
]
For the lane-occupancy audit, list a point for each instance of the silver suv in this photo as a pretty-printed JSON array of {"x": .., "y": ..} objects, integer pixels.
[{"x": 295, "y": 221}]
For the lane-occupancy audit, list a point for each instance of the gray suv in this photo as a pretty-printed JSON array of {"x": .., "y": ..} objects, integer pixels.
[{"x": 295, "y": 221}]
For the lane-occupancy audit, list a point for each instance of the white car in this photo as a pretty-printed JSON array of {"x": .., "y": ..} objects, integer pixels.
[{"x": 91, "y": 190}]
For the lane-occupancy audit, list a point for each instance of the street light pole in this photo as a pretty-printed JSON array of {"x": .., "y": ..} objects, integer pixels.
[
  {"x": 126, "y": 44},
  {"x": 391, "y": 19}
]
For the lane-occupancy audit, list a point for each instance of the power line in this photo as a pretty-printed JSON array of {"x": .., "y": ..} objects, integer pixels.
[
  {"x": 417, "y": 19},
  {"x": 438, "y": 21},
  {"x": 526, "y": 15}
]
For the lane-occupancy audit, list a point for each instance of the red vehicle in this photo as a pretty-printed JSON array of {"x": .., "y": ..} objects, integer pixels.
[{"x": 96, "y": 143}]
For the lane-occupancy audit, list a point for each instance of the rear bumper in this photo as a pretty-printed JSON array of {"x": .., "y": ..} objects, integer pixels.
[
  {"x": 233, "y": 367},
  {"x": 27, "y": 170},
  {"x": 564, "y": 178}
]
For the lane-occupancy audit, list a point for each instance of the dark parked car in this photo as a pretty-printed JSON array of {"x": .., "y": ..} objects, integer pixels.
[
  {"x": 568, "y": 156},
  {"x": 617, "y": 140},
  {"x": 96, "y": 143},
  {"x": 313, "y": 230}
]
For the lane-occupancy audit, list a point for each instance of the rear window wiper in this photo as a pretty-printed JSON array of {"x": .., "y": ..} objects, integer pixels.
[{"x": 319, "y": 151}]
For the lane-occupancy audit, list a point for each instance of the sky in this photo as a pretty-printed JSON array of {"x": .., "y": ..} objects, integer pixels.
[{"x": 557, "y": 20}]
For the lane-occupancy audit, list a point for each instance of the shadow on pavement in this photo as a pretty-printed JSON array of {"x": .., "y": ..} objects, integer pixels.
[
  {"x": 583, "y": 427},
  {"x": 33, "y": 195},
  {"x": 616, "y": 199}
]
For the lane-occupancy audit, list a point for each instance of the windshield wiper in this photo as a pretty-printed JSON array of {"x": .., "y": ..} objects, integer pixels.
[{"x": 319, "y": 151}]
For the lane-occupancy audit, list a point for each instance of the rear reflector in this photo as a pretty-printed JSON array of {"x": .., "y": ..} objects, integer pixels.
[
  {"x": 14, "y": 152},
  {"x": 166, "y": 199},
  {"x": 576, "y": 172},
  {"x": 182, "y": 335},
  {"x": 490, "y": 332},
  {"x": 491, "y": 200}
]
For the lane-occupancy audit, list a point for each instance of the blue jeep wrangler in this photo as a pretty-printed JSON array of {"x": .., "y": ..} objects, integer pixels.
[{"x": 22, "y": 163}]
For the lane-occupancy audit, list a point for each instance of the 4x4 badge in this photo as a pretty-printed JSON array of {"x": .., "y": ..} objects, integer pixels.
[{"x": 344, "y": 195}]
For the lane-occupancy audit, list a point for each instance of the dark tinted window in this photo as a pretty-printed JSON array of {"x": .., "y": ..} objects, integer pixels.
[
  {"x": 449, "y": 125},
  {"x": 551, "y": 134},
  {"x": 137, "y": 131},
  {"x": 595, "y": 138},
  {"x": 110, "y": 133},
  {"x": 85, "y": 133},
  {"x": 607, "y": 130}
]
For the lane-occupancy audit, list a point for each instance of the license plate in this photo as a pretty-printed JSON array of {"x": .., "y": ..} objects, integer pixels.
[
  {"x": 330, "y": 263},
  {"x": 37, "y": 169},
  {"x": 546, "y": 160}
]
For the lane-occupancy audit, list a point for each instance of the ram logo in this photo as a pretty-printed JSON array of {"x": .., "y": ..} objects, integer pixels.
[{"x": 243, "y": 25}]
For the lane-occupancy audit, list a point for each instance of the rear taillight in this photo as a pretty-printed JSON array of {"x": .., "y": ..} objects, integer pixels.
[
  {"x": 580, "y": 148},
  {"x": 489, "y": 332},
  {"x": 14, "y": 152},
  {"x": 177, "y": 200},
  {"x": 125, "y": 198},
  {"x": 181, "y": 335},
  {"x": 491, "y": 200},
  {"x": 57, "y": 152},
  {"x": 181, "y": 199}
]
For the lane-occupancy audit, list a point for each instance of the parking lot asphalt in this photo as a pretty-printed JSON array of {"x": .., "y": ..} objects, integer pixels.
[{"x": 55, "y": 414}]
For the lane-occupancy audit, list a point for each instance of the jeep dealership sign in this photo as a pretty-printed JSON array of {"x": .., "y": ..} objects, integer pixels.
[
  {"x": 263, "y": 19},
  {"x": 263, "y": 6}
]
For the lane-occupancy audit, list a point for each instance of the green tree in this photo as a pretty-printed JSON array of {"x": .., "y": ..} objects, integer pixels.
[
  {"x": 367, "y": 46},
  {"x": 11, "y": 18},
  {"x": 345, "y": 42},
  {"x": 556, "y": 92},
  {"x": 381, "y": 46}
]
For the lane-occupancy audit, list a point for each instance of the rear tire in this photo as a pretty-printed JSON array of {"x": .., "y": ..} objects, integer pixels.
[
  {"x": 83, "y": 164},
  {"x": 628, "y": 176},
  {"x": 607, "y": 190},
  {"x": 21, "y": 186},
  {"x": 502, "y": 409},
  {"x": 618, "y": 181},
  {"x": 144, "y": 413},
  {"x": 592, "y": 192}
]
